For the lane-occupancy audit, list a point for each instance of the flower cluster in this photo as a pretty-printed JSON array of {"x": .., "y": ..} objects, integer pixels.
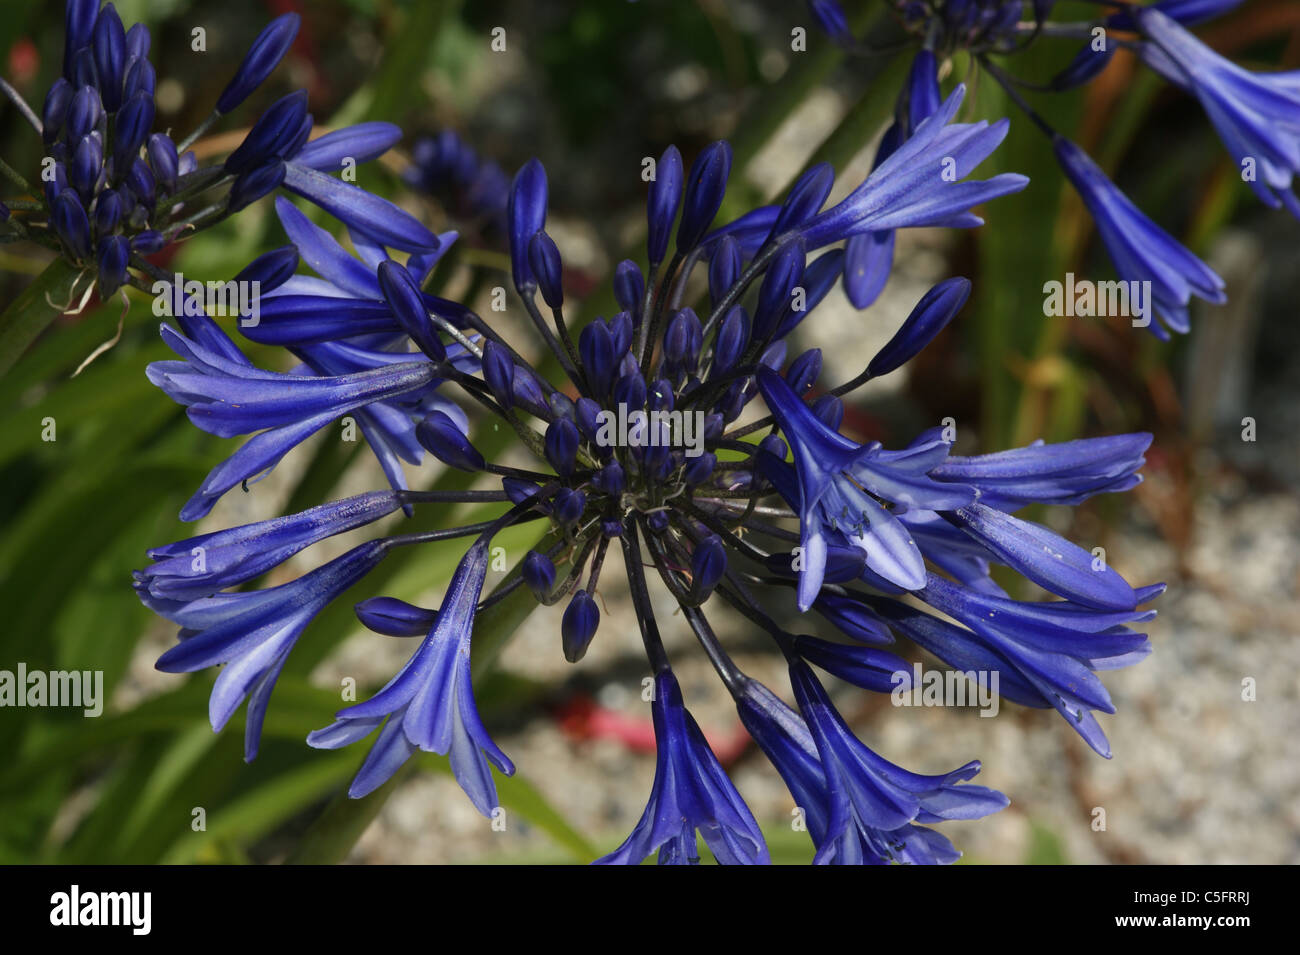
[
  {"x": 474, "y": 188},
  {"x": 114, "y": 192},
  {"x": 1256, "y": 115},
  {"x": 641, "y": 449}
]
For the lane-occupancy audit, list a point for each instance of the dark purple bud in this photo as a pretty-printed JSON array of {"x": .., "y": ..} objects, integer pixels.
[
  {"x": 561, "y": 446},
  {"x": 700, "y": 468},
  {"x": 657, "y": 521},
  {"x": 113, "y": 253},
  {"x": 627, "y": 365},
  {"x": 407, "y": 304},
  {"x": 69, "y": 219},
  {"x": 137, "y": 41},
  {"x": 818, "y": 279},
  {"x": 830, "y": 17},
  {"x": 630, "y": 392},
  {"x": 609, "y": 479},
  {"x": 708, "y": 564},
  {"x": 776, "y": 294},
  {"x": 108, "y": 212},
  {"x": 829, "y": 411},
  {"x": 262, "y": 57},
  {"x": 395, "y": 618},
  {"x": 658, "y": 459},
  {"x": 270, "y": 269},
  {"x": 299, "y": 139},
  {"x": 538, "y": 572},
  {"x": 733, "y": 339},
  {"x": 805, "y": 198},
  {"x": 272, "y": 134},
  {"x": 677, "y": 339},
  {"x": 140, "y": 78},
  {"x": 569, "y": 505},
  {"x": 442, "y": 437},
  {"x": 87, "y": 164},
  {"x": 620, "y": 329},
  {"x": 578, "y": 627},
  {"x": 774, "y": 445},
  {"x": 804, "y": 371},
  {"x": 659, "y": 396},
  {"x": 83, "y": 70},
  {"x": 548, "y": 270},
  {"x": 713, "y": 426},
  {"x": 133, "y": 125},
  {"x": 4, "y": 212},
  {"x": 687, "y": 334},
  {"x": 528, "y": 392},
  {"x": 853, "y": 618},
  {"x": 78, "y": 28},
  {"x": 55, "y": 110},
  {"x": 83, "y": 114},
  {"x": 596, "y": 348},
  {"x": 148, "y": 242},
  {"x": 1087, "y": 63},
  {"x": 733, "y": 402},
  {"x": 163, "y": 160},
  {"x": 611, "y": 528},
  {"x": 704, "y": 191},
  {"x": 773, "y": 357},
  {"x": 143, "y": 186},
  {"x": 499, "y": 372},
  {"x": 724, "y": 267},
  {"x": 255, "y": 184},
  {"x": 519, "y": 490},
  {"x": 629, "y": 286},
  {"x": 661, "y": 206},
  {"x": 930, "y": 316},
  {"x": 109, "y": 46},
  {"x": 561, "y": 405},
  {"x": 526, "y": 211},
  {"x": 586, "y": 413},
  {"x": 922, "y": 89}
]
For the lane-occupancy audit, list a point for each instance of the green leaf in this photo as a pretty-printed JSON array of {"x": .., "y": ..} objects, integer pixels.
[
  {"x": 34, "y": 310},
  {"x": 256, "y": 813}
]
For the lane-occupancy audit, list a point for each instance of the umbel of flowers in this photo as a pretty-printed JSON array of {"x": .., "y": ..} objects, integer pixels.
[
  {"x": 113, "y": 191},
  {"x": 1256, "y": 115},
  {"x": 640, "y": 449}
]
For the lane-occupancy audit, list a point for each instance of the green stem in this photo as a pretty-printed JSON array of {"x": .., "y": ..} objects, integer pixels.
[
  {"x": 336, "y": 830},
  {"x": 32, "y": 312}
]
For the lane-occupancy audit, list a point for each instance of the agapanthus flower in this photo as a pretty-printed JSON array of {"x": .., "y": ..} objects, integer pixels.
[
  {"x": 251, "y": 632},
  {"x": 113, "y": 191},
  {"x": 1257, "y": 115},
  {"x": 641, "y": 449},
  {"x": 691, "y": 793},
  {"x": 474, "y": 187},
  {"x": 429, "y": 705}
]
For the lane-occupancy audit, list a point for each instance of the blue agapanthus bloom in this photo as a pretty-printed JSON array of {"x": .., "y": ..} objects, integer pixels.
[
  {"x": 474, "y": 188},
  {"x": 1256, "y": 115},
  {"x": 691, "y": 793},
  {"x": 641, "y": 449},
  {"x": 112, "y": 191}
]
